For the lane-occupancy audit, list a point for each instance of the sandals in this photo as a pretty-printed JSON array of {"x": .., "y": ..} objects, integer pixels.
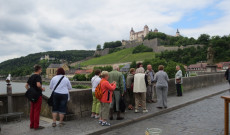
[
  {"x": 54, "y": 124},
  {"x": 61, "y": 124}
]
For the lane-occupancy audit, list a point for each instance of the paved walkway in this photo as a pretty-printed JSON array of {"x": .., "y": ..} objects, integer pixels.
[
  {"x": 90, "y": 126},
  {"x": 201, "y": 118}
]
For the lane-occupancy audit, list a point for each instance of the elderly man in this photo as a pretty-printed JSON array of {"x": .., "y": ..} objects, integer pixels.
[
  {"x": 178, "y": 81},
  {"x": 150, "y": 86},
  {"x": 116, "y": 76}
]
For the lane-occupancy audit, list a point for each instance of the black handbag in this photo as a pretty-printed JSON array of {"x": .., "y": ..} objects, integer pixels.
[
  {"x": 32, "y": 94},
  {"x": 122, "y": 104},
  {"x": 50, "y": 100}
]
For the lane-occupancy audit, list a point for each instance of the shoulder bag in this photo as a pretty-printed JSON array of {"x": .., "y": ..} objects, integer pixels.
[
  {"x": 32, "y": 94},
  {"x": 50, "y": 100}
]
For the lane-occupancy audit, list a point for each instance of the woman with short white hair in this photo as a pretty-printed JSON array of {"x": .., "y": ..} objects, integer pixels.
[{"x": 139, "y": 89}]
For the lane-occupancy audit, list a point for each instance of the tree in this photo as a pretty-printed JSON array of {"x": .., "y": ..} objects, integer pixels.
[
  {"x": 203, "y": 39},
  {"x": 112, "y": 44},
  {"x": 142, "y": 48},
  {"x": 152, "y": 35},
  {"x": 133, "y": 64},
  {"x": 98, "y": 47}
]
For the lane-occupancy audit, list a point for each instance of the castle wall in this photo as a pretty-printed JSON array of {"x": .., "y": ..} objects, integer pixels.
[
  {"x": 102, "y": 52},
  {"x": 153, "y": 43}
]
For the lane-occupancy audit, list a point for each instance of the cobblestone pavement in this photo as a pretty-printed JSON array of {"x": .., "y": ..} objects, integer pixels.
[{"x": 202, "y": 118}]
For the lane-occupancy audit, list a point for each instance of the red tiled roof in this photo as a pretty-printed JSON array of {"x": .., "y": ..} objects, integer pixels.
[
  {"x": 87, "y": 71},
  {"x": 225, "y": 64},
  {"x": 198, "y": 65}
]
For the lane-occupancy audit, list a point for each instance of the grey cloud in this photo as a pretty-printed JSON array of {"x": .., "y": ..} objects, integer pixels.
[
  {"x": 15, "y": 25},
  {"x": 32, "y": 26},
  {"x": 51, "y": 31}
]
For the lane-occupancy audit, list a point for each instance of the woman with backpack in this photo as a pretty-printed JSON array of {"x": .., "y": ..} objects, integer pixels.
[
  {"x": 60, "y": 86},
  {"x": 107, "y": 92}
]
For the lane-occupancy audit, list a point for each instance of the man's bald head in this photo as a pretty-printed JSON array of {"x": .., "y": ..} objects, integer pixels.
[{"x": 149, "y": 67}]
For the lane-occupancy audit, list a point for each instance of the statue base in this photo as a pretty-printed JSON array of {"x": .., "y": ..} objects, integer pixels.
[{"x": 211, "y": 68}]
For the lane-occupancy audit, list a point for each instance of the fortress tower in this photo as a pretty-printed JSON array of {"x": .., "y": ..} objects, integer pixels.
[
  {"x": 177, "y": 33},
  {"x": 138, "y": 36}
]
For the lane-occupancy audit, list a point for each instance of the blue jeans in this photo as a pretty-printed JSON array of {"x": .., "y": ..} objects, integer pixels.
[{"x": 60, "y": 103}]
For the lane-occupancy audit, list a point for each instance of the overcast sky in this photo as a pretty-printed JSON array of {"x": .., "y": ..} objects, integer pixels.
[{"x": 29, "y": 26}]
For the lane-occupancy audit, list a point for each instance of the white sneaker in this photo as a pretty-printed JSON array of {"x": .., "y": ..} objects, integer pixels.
[
  {"x": 97, "y": 117},
  {"x": 145, "y": 111},
  {"x": 92, "y": 116},
  {"x": 136, "y": 111},
  {"x": 100, "y": 121}
]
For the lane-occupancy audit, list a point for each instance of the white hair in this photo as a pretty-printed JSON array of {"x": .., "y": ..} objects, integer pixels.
[
  {"x": 115, "y": 67},
  {"x": 104, "y": 74},
  {"x": 140, "y": 70}
]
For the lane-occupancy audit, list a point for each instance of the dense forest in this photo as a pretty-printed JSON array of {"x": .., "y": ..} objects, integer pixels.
[
  {"x": 178, "y": 40},
  {"x": 24, "y": 65},
  {"x": 220, "y": 45}
]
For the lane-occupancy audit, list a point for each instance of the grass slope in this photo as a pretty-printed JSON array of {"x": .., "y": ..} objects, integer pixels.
[{"x": 124, "y": 55}]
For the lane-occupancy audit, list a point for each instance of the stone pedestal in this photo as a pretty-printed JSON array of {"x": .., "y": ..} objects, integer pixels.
[
  {"x": 211, "y": 68},
  {"x": 9, "y": 98}
]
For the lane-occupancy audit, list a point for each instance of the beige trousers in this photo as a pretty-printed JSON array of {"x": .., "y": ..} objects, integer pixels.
[{"x": 140, "y": 98}]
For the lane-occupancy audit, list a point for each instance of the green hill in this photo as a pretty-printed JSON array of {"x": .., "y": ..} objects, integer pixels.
[
  {"x": 24, "y": 65},
  {"x": 124, "y": 55}
]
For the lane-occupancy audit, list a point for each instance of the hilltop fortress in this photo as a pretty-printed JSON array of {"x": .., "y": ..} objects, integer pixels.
[{"x": 137, "y": 38}]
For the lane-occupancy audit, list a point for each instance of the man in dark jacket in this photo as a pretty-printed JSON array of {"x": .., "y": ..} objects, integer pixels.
[{"x": 227, "y": 74}]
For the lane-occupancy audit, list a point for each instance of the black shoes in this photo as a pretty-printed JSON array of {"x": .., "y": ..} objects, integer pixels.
[{"x": 40, "y": 127}]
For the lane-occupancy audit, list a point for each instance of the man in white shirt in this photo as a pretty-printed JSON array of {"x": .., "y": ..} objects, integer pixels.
[
  {"x": 96, "y": 103},
  {"x": 178, "y": 81}
]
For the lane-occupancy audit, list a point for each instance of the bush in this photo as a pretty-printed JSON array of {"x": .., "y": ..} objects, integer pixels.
[
  {"x": 193, "y": 74},
  {"x": 133, "y": 64},
  {"x": 106, "y": 68},
  {"x": 142, "y": 48},
  {"x": 112, "y": 50},
  {"x": 155, "y": 63},
  {"x": 80, "y": 86},
  {"x": 80, "y": 77},
  {"x": 169, "y": 67}
]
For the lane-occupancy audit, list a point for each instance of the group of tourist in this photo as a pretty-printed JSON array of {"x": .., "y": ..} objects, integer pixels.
[
  {"x": 141, "y": 87},
  {"x": 60, "y": 86}
]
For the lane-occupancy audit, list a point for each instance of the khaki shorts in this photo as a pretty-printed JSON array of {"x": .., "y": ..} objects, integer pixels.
[{"x": 104, "y": 110}]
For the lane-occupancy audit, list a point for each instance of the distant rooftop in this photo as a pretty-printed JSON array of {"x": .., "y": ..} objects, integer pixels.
[{"x": 55, "y": 65}]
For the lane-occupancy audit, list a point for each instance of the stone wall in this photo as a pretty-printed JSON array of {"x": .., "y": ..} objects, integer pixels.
[
  {"x": 152, "y": 43},
  {"x": 102, "y": 52},
  {"x": 190, "y": 83},
  {"x": 81, "y": 100},
  {"x": 22, "y": 104}
]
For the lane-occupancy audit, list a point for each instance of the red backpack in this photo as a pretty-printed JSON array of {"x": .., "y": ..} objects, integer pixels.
[{"x": 98, "y": 91}]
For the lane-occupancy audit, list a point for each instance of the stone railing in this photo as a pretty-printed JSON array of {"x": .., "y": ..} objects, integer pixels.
[{"x": 81, "y": 100}]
